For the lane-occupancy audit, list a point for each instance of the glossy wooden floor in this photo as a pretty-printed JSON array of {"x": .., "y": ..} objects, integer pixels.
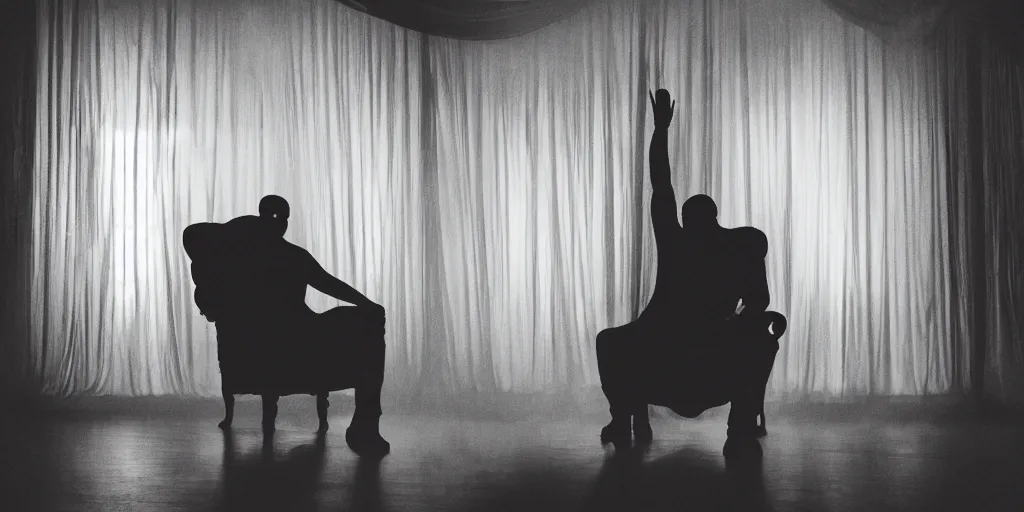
[{"x": 103, "y": 462}]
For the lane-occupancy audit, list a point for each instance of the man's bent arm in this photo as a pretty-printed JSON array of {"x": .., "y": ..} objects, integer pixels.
[
  {"x": 754, "y": 293},
  {"x": 327, "y": 284}
]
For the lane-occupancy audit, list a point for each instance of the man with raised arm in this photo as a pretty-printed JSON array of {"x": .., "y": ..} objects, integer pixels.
[{"x": 710, "y": 282}]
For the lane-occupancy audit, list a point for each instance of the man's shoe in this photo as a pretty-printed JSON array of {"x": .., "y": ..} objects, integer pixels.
[
  {"x": 367, "y": 443},
  {"x": 617, "y": 432}
]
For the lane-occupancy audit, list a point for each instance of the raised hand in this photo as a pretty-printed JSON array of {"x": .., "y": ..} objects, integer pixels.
[{"x": 663, "y": 109}]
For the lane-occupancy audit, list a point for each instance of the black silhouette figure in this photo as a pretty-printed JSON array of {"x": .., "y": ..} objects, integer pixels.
[
  {"x": 705, "y": 339},
  {"x": 252, "y": 283}
]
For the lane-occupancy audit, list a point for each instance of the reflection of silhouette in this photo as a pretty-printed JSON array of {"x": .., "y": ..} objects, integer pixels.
[
  {"x": 683, "y": 480},
  {"x": 705, "y": 338},
  {"x": 366, "y": 491},
  {"x": 618, "y": 485},
  {"x": 252, "y": 283},
  {"x": 747, "y": 477},
  {"x": 272, "y": 482}
]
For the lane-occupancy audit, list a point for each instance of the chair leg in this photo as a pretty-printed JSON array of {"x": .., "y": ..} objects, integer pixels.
[
  {"x": 321, "y": 411},
  {"x": 229, "y": 408},
  {"x": 269, "y": 412}
]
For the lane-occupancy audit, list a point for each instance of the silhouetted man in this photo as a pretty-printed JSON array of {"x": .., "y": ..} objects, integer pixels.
[
  {"x": 685, "y": 350},
  {"x": 283, "y": 347}
]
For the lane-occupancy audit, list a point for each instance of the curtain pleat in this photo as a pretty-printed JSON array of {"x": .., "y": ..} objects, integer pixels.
[{"x": 493, "y": 196}]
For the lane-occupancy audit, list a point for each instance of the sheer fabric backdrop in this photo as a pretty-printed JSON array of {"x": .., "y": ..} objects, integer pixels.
[{"x": 492, "y": 195}]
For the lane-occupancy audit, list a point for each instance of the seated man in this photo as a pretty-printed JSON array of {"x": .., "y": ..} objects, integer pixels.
[
  {"x": 269, "y": 341},
  {"x": 694, "y": 346}
]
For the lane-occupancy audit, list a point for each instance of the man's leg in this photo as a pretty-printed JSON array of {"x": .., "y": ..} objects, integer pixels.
[
  {"x": 762, "y": 346},
  {"x": 363, "y": 435},
  {"x": 269, "y": 411},
  {"x": 751, "y": 367},
  {"x": 642, "y": 431},
  {"x": 742, "y": 431},
  {"x": 615, "y": 358},
  {"x": 321, "y": 410}
]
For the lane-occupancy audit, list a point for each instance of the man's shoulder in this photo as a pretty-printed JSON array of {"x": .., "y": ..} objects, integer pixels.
[
  {"x": 243, "y": 220},
  {"x": 750, "y": 240},
  {"x": 245, "y": 228},
  {"x": 244, "y": 224},
  {"x": 296, "y": 252}
]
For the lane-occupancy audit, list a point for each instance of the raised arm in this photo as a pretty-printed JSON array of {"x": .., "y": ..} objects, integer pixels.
[{"x": 663, "y": 201}]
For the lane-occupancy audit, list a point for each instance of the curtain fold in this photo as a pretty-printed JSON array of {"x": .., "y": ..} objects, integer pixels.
[
  {"x": 18, "y": 36},
  {"x": 895, "y": 19},
  {"x": 471, "y": 19},
  {"x": 492, "y": 195},
  {"x": 985, "y": 87}
]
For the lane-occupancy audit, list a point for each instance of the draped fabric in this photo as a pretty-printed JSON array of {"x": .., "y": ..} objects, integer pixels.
[
  {"x": 895, "y": 19},
  {"x": 997, "y": 20},
  {"x": 492, "y": 195},
  {"x": 985, "y": 87},
  {"x": 470, "y": 19},
  {"x": 17, "y": 137}
]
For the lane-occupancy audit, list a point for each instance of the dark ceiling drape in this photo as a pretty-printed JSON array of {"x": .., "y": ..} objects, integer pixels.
[
  {"x": 894, "y": 19},
  {"x": 1000, "y": 20},
  {"x": 471, "y": 19}
]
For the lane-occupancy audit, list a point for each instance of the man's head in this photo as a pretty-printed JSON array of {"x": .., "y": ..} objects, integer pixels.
[
  {"x": 699, "y": 212},
  {"x": 275, "y": 211}
]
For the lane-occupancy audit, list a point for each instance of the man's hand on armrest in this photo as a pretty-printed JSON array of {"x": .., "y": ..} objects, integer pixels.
[{"x": 327, "y": 284}]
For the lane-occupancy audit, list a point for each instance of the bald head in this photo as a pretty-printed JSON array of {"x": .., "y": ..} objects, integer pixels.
[
  {"x": 699, "y": 211},
  {"x": 275, "y": 211}
]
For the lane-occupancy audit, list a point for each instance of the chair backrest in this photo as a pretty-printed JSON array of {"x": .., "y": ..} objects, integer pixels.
[
  {"x": 205, "y": 245},
  {"x": 226, "y": 263}
]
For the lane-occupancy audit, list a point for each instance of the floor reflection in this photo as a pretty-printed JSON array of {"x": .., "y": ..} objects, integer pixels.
[
  {"x": 261, "y": 474},
  {"x": 688, "y": 478},
  {"x": 264, "y": 479},
  {"x": 452, "y": 465}
]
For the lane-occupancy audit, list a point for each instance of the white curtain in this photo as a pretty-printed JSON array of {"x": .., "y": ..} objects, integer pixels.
[{"x": 493, "y": 195}]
